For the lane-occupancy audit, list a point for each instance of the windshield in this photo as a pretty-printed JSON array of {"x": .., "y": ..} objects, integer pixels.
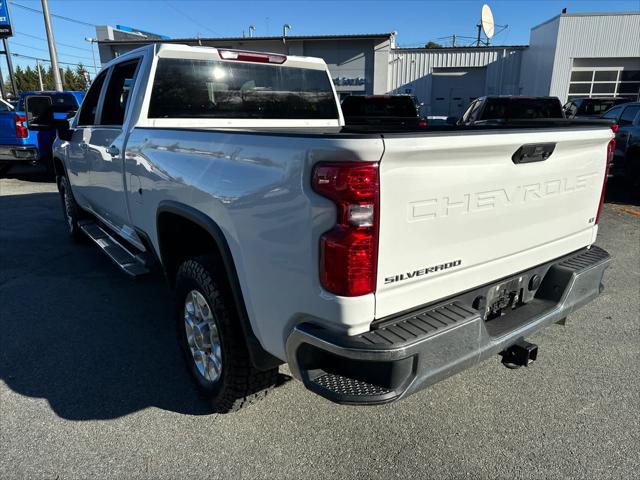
[
  {"x": 211, "y": 89},
  {"x": 358, "y": 106},
  {"x": 522, "y": 108}
]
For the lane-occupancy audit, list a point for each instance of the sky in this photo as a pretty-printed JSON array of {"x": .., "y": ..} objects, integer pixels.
[{"x": 416, "y": 21}]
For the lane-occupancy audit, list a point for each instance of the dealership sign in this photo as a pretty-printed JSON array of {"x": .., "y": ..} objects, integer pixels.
[
  {"x": 5, "y": 21},
  {"x": 348, "y": 82}
]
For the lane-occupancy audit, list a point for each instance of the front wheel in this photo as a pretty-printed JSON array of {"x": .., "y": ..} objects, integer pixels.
[{"x": 212, "y": 341}]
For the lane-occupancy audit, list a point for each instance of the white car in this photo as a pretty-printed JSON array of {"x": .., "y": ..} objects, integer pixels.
[{"x": 374, "y": 263}]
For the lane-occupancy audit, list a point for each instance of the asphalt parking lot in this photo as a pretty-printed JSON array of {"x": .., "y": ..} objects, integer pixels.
[{"x": 92, "y": 384}]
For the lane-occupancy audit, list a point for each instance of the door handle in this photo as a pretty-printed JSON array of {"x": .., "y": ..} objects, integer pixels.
[{"x": 113, "y": 151}]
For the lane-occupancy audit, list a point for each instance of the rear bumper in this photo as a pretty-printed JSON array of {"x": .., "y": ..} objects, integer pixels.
[
  {"x": 19, "y": 153},
  {"x": 408, "y": 352}
]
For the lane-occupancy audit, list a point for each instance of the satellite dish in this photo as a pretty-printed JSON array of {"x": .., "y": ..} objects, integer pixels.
[{"x": 486, "y": 19}]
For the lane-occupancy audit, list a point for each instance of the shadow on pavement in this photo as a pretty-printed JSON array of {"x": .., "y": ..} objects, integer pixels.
[
  {"x": 618, "y": 192},
  {"x": 77, "y": 332},
  {"x": 28, "y": 173}
]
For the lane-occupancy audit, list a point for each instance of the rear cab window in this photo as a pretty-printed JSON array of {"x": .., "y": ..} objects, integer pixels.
[
  {"x": 522, "y": 108},
  {"x": 359, "y": 106},
  {"x": 595, "y": 107},
  {"x": 60, "y": 102},
  {"x": 214, "y": 89}
]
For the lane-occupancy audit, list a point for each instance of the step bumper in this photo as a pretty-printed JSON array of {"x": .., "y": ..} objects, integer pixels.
[
  {"x": 411, "y": 351},
  {"x": 19, "y": 153}
]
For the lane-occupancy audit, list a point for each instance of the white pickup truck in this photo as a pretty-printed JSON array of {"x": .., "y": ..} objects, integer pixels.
[{"x": 373, "y": 263}]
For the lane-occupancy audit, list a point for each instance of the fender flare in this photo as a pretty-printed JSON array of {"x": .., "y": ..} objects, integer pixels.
[{"x": 260, "y": 358}]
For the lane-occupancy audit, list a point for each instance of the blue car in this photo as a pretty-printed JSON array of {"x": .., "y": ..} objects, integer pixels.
[{"x": 25, "y": 134}]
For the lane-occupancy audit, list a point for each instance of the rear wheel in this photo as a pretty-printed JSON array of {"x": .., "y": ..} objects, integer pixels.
[
  {"x": 70, "y": 209},
  {"x": 212, "y": 340}
]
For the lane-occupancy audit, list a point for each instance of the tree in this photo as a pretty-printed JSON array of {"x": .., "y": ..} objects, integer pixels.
[
  {"x": 81, "y": 78},
  {"x": 431, "y": 44}
]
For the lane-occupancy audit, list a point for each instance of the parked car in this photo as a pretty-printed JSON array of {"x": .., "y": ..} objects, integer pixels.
[
  {"x": 496, "y": 109},
  {"x": 375, "y": 264},
  {"x": 592, "y": 107},
  {"x": 25, "y": 133},
  {"x": 391, "y": 111},
  {"x": 625, "y": 163}
]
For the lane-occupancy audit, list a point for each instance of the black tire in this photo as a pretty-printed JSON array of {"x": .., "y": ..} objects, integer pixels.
[
  {"x": 70, "y": 210},
  {"x": 239, "y": 383}
]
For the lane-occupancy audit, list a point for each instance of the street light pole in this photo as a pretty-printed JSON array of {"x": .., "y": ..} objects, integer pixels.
[
  {"x": 93, "y": 54},
  {"x": 57, "y": 80}
]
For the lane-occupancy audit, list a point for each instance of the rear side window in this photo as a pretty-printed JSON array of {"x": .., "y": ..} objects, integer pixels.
[
  {"x": 613, "y": 113},
  {"x": 212, "y": 89},
  {"x": 118, "y": 93},
  {"x": 90, "y": 103},
  {"x": 629, "y": 114}
]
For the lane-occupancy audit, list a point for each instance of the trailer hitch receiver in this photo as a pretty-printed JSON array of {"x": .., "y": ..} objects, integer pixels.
[{"x": 522, "y": 354}]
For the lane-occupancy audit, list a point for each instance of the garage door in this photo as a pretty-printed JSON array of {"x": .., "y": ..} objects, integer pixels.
[
  {"x": 453, "y": 89},
  {"x": 606, "y": 77}
]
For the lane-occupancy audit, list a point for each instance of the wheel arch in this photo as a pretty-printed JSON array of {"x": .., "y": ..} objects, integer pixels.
[{"x": 171, "y": 213}]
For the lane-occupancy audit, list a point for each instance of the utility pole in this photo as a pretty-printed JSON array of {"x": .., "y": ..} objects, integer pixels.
[
  {"x": 12, "y": 77},
  {"x": 2, "y": 92},
  {"x": 39, "y": 75},
  {"x": 57, "y": 80}
]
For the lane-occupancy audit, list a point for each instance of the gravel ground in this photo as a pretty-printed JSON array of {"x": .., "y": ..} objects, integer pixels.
[{"x": 92, "y": 384}]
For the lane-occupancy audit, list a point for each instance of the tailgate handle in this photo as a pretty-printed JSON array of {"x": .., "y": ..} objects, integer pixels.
[{"x": 533, "y": 152}]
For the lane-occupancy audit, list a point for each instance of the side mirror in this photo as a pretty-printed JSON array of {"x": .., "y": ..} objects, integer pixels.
[
  {"x": 62, "y": 128},
  {"x": 452, "y": 120},
  {"x": 39, "y": 112}
]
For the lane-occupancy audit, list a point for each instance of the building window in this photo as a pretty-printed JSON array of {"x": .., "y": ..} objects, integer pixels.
[{"x": 604, "y": 82}]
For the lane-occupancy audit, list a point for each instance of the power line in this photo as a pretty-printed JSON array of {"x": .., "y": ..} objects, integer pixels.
[
  {"x": 61, "y": 17},
  {"x": 196, "y": 22},
  {"x": 13, "y": 42},
  {"x": 20, "y": 55},
  {"x": 58, "y": 43}
]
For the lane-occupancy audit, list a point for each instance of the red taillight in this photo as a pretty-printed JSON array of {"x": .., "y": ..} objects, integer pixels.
[
  {"x": 422, "y": 123},
  {"x": 615, "y": 127},
  {"x": 611, "y": 147},
  {"x": 349, "y": 251},
  {"x": 258, "y": 57},
  {"x": 21, "y": 130}
]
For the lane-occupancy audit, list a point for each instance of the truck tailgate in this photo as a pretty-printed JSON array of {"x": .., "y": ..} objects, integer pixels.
[{"x": 457, "y": 212}]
